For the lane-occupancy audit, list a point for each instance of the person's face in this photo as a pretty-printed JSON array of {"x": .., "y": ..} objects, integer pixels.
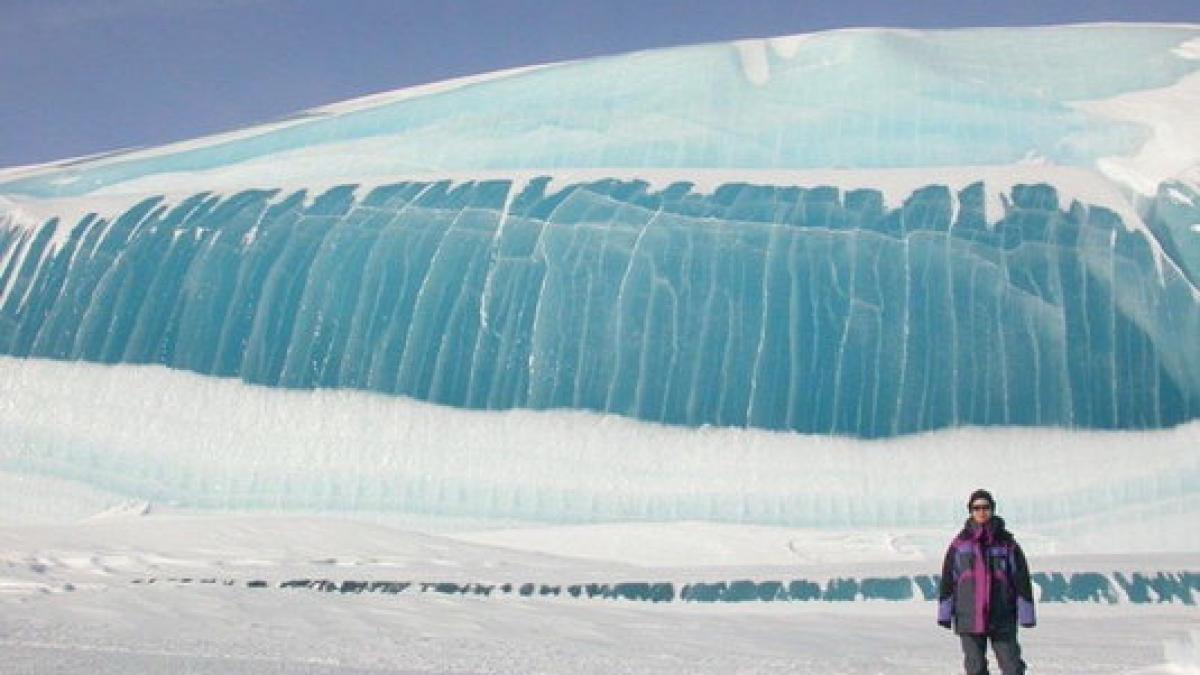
[{"x": 981, "y": 511}]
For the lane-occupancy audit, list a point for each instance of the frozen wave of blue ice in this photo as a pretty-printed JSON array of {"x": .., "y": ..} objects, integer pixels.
[{"x": 818, "y": 310}]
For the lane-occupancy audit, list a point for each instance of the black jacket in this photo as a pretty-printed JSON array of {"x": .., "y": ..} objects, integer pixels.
[{"x": 985, "y": 585}]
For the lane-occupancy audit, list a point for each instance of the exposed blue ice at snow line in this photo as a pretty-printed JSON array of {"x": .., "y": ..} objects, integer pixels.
[
  {"x": 809, "y": 309},
  {"x": 1055, "y": 587}
]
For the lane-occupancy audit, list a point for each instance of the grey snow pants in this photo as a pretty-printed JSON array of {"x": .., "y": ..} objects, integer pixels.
[{"x": 1008, "y": 654}]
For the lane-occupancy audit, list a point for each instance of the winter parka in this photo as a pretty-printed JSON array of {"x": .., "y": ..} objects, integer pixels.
[{"x": 985, "y": 586}]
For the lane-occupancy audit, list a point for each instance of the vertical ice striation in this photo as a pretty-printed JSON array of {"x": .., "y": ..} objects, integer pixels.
[
  {"x": 813, "y": 309},
  {"x": 1174, "y": 218}
]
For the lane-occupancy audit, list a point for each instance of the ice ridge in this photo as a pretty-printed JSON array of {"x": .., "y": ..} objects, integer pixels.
[{"x": 812, "y": 309}]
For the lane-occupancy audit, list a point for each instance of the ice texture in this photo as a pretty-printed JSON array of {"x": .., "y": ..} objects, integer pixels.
[
  {"x": 807, "y": 309},
  {"x": 1175, "y": 221},
  {"x": 178, "y": 439},
  {"x": 875, "y": 99}
]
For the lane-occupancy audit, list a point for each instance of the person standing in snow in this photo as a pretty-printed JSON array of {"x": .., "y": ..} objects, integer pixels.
[{"x": 985, "y": 591}]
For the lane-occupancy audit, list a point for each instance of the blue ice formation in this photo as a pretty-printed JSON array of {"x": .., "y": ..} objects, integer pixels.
[
  {"x": 437, "y": 268},
  {"x": 814, "y": 310},
  {"x": 1052, "y": 587},
  {"x": 873, "y": 99},
  {"x": 1174, "y": 219}
]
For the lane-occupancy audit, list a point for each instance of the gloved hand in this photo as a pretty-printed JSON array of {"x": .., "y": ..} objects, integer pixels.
[
  {"x": 945, "y": 612},
  {"x": 1026, "y": 615}
]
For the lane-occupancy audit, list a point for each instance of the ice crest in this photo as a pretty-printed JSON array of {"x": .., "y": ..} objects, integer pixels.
[{"x": 755, "y": 63}]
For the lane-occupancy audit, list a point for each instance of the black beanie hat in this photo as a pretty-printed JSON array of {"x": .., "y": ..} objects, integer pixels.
[{"x": 981, "y": 494}]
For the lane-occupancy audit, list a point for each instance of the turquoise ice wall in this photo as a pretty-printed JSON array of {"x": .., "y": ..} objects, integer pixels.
[{"x": 817, "y": 310}]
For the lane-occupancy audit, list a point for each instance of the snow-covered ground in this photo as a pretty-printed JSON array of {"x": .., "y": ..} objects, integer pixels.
[{"x": 76, "y": 597}]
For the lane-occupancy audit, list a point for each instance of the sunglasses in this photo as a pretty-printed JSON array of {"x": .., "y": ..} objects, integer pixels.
[{"x": 981, "y": 507}]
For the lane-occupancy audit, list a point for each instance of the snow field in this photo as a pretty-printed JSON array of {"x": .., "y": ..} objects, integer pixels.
[{"x": 151, "y": 434}]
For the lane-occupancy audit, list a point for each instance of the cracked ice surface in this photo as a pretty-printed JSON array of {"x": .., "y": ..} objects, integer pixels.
[{"x": 803, "y": 309}]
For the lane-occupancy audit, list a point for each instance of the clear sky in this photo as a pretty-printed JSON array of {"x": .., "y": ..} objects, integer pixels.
[{"x": 87, "y": 76}]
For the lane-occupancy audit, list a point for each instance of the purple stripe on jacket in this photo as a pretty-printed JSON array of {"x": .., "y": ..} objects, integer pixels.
[{"x": 983, "y": 587}]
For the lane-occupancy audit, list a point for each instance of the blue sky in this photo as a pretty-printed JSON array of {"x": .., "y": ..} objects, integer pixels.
[{"x": 87, "y": 76}]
